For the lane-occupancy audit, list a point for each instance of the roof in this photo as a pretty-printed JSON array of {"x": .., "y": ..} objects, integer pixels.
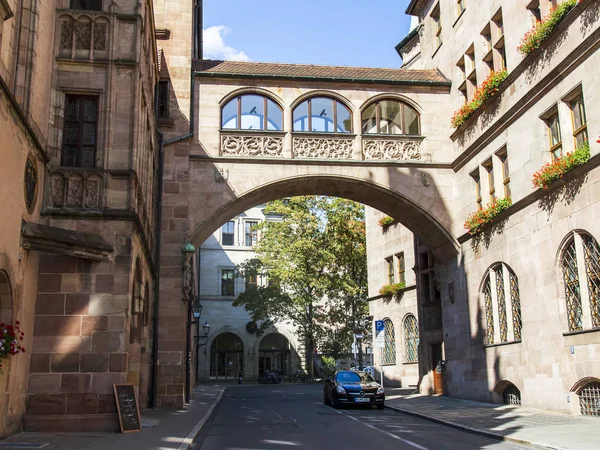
[
  {"x": 236, "y": 69},
  {"x": 406, "y": 39}
]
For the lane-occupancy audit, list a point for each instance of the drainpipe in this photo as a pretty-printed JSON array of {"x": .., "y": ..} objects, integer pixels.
[{"x": 158, "y": 228}]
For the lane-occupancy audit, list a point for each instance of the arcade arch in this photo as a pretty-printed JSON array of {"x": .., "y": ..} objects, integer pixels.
[{"x": 226, "y": 356}]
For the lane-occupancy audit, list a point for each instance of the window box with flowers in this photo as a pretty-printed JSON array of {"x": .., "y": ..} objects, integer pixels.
[
  {"x": 10, "y": 336},
  {"x": 555, "y": 170},
  {"x": 488, "y": 89},
  {"x": 477, "y": 220},
  {"x": 543, "y": 28},
  {"x": 390, "y": 291},
  {"x": 386, "y": 221}
]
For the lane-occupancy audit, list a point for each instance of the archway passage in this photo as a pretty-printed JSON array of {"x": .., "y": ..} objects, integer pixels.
[
  {"x": 413, "y": 196},
  {"x": 226, "y": 356},
  {"x": 274, "y": 353}
]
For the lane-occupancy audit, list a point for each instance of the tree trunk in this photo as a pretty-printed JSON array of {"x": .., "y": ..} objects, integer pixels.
[{"x": 310, "y": 345}]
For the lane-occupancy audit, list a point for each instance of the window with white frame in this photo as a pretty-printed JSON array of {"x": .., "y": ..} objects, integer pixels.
[
  {"x": 411, "y": 339},
  {"x": 228, "y": 233},
  {"x": 227, "y": 282},
  {"x": 250, "y": 233},
  {"x": 389, "y": 349},
  {"x": 502, "y": 304},
  {"x": 580, "y": 264}
]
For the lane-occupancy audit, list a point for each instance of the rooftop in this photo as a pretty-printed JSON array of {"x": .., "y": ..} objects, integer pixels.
[{"x": 236, "y": 69}]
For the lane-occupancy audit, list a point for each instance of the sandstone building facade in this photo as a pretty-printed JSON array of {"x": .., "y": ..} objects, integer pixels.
[{"x": 123, "y": 151}]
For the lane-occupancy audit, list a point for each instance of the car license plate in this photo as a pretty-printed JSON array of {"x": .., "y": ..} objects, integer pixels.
[{"x": 362, "y": 400}]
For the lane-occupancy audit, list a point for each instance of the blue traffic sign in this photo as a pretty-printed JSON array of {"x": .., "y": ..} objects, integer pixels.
[{"x": 379, "y": 325}]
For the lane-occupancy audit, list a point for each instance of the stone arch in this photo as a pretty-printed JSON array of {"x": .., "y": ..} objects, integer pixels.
[
  {"x": 324, "y": 93},
  {"x": 279, "y": 359},
  {"x": 283, "y": 332},
  {"x": 577, "y": 387},
  {"x": 407, "y": 207},
  {"x": 507, "y": 393},
  {"x": 392, "y": 96},
  {"x": 252, "y": 90}
]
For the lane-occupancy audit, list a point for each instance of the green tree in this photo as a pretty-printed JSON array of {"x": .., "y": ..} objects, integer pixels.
[
  {"x": 314, "y": 260},
  {"x": 347, "y": 294},
  {"x": 292, "y": 254}
]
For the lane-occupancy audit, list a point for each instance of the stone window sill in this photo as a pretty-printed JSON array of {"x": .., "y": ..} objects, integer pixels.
[
  {"x": 575, "y": 333},
  {"x": 501, "y": 344},
  {"x": 458, "y": 18}
]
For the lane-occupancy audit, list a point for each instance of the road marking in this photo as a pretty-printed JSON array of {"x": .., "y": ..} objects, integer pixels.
[
  {"x": 411, "y": 443},
  {"x": 280, "y": 418}
]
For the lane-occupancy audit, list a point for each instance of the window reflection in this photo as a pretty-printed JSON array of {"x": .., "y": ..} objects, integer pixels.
[
  {"x": 390, "y": 117},
  {"x": 322, "y": 115},
  {"x": 251, "y": 112}
]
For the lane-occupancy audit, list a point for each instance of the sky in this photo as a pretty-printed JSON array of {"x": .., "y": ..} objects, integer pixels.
[{"x": 329, "y": 32}]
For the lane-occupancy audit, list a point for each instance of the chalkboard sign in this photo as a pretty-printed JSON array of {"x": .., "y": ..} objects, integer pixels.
[{"x": 127, "y": 407}]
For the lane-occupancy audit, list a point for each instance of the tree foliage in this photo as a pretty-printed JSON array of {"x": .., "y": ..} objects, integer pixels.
[{"x": 312, "y": 254}]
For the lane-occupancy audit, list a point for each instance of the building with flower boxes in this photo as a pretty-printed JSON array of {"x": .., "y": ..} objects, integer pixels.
[{"x": 521, "y": 318}]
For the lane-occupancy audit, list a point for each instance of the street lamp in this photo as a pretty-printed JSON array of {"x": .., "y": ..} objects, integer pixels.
[
  {"x": 202, "y": 340},
  {"x": 196, "y": 308}
]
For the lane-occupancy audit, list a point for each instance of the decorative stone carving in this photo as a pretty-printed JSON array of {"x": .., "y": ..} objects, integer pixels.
[
  {"x": 74, "y": 191},
  {"x": 92, "y": 193},
  {"x": 57, "y": 190},
  {"x": 66, "y": 35},
  {"x": 333, "y": 148},
  {"x": 83, "y": 35},
  {"x": 392, "y": 149},
  {"x": 244, "y": 145},
  {"x": 100, "y": 30}
]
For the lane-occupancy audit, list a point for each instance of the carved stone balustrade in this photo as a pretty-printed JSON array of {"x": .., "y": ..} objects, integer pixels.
[
  {"x": 236, "y": 143},
  {"x": 84, "y": 35},
  {"x": 76, "y": 189},
  {"x": 392, "y": 148},
  {"x": 323, "y": 146}
]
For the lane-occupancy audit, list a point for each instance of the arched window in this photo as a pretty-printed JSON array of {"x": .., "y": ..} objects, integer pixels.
[
  {"x": 226, "y": 356},
  {"x": 322, "y": 115},
  {"x": 502, "y": 304},
  {"x": 389, "y": 350},
  {"x": 390, "y": 117},
  {"x": 5, "y": 299},
  {"x": 589, "y": 399},
  {"x": 411, "y": 339},
  {"x": 580, "y": 260},
  {"x": 251, "y": 112}
]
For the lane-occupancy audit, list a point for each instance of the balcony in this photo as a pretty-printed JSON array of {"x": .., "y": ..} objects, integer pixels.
[
  {"x": 392, "y": 147},
  {"x": 322, "y": 145},
  {"x": 84, "y": 35},
  {"x": 256, "y": 143}
]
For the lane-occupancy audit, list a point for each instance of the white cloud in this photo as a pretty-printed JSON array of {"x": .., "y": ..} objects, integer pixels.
[{"x": 215, "y": 47}]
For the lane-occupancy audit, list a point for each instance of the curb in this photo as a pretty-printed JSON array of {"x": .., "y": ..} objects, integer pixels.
[
  {"x": 186, "y": 444},
  {"x": 477, "y": 431}
]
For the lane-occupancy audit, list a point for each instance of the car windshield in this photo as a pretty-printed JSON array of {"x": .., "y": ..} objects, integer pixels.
[{"x": 354, "y": 377}]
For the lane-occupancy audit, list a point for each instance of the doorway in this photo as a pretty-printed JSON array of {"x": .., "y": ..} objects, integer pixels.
[
  {"x": 274, "y": 354},
  {"x": 226, "y": 357}
]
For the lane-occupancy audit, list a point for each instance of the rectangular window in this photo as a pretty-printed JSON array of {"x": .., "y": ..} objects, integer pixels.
[
  {"x": 471, "y": 71},
  {"x": 250, "y": 233},
  {"x": 489, "y": 168},
  {"x": 94, "y": 5},
  {"x": 227, "y": 281},
  {"x": 503, "y": 157},
  {"x": 437, "y": 25},
  {"x": 390, "y": 270},
  {"x": 251, "y": 281},
  {"x": 579, "y": 121},
  {"x": 535, "y": 10},
  {"x": 163, "y": 99},
  {"x": 401, "y": 268},
  {"x": 554, "y": 137},
  {"x": 477, "y": 179},
  {"x": 462, "y": 87},
  {"x": 227, "y": 233},
  {"x": 79, "y": 132}
]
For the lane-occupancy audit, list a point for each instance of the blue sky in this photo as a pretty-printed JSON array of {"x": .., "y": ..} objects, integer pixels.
[{"x": 331, "y": 32}]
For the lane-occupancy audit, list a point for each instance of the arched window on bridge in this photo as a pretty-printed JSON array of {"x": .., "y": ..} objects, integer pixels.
[
  {"x": 322, "y": 115},
  {"x": 252, "y": 112},
  {"x": 390, "y": 116}
]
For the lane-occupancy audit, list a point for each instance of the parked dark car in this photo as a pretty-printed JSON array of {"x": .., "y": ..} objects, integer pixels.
[{"x": 353, "y": 388}]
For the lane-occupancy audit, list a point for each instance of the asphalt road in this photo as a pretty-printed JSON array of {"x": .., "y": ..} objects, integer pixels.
[{"x": 294, "y": 417}]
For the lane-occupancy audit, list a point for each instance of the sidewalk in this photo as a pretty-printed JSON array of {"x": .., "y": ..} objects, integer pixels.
[
  {"x": 174, "y": 430},
  {"x": 509, "y": 423}
]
